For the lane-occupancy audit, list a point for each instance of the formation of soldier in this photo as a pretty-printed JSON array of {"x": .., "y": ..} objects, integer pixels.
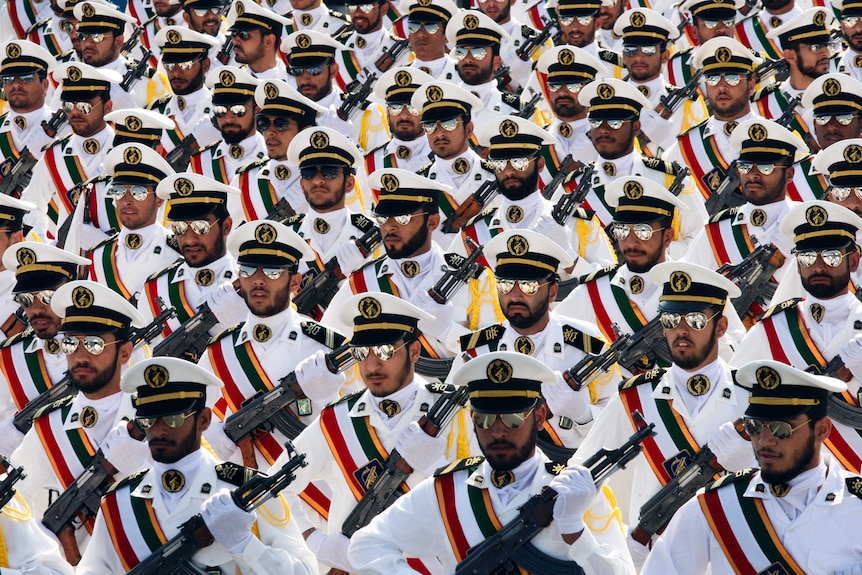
[{"x": 522, "y": 286}]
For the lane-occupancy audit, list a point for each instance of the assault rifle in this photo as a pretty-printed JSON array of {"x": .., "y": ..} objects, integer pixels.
[
  {"x": 678, "y": 183},
  {"x": 567, "y": 203},
  {"x": 174, "y": 557},
  {"x": 319, "y": 293},
  {"x": 780, "y": 68},
  {"x": 281, "y": 211},
  {"x": 646, "y": 346},
  {"x": 470, "y": 207},
  {"x": 54, "y": 124},
  {"x": 526, "y": 50},
  {"x": 268, "y": 410},
  {"x": 390, "y": 55},
  {"x": 135, "y": 37},
  {"x": 727, "y": 193},
  {"x": 23, "y": 420},
  {"x": 656, "y": 513},
  {"x": 138, "y": 71},
  {"x": 752, "y": 276},
  {"x": 189, "y": 341},
  {"x": 385, "y": 489},
  {"x": 503, "y": 78},
  {"x": 357, "y": 97},
  {"x": 837, "y": 408},
  {"x": 226, "y": 52},
  {"x": 7, "y": 486},
  {"x": 510, "y": 547},
  {"x": 567, "y": 166},
  {"x": 180, "y": 157},
  {"x": 436, "y": 367},
  {"x": 454, "y": 279},
  {"x": 528, "y": 108},
  {"x": 670, "y": 102},
  {"x": 17, "y": 174}
]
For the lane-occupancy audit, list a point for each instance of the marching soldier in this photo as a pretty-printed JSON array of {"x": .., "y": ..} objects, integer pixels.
[
  {"x": 426, "y": 30},
  {"x": 800, "y": 496},
  {"x": 375, "y": 421},
  {"x": 835, "y": 101},
  {"x": 709, "y": 19},
  {"x": 24, "y": 69},
  {"x": 169, "y": 396},
  {"x": 256, "y": 32},
  {"x": 205, "y": 17},
  {"x": 507, "y": 407},
  {"x": 844, "y": 175},
  {"x": 85, "y": 96},
  {"x": 851, "y": 59},
  {"x": 687, "y": 401},
  {"x": 312, "y": 15},
  {"x": 165, "y": 13},
  {"x": 233, "y": 109},
  {"x": 283, "y": 113},
  {"x": 126, "y": 259},
  {"x": 527, "y": 267},
  {"x": 12, "y": 212},
  {"x": 31, "y": 361},
  {"x": 579, "y": 22},
  {"x": 371, "y": 35},
  {"x": 409, "y": 148}
]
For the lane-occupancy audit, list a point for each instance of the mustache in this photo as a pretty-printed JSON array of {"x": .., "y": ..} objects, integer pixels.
[{"x": 501, "y": 443}]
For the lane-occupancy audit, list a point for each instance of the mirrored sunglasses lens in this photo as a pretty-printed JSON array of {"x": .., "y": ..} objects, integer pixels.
[
  {"x": 832, "y": 258},
  {"x": 696, "y": 320},
  {"x": 246, "y": 271},
  {"x": 384, "y": 352},
  {"x": 359, "y": 353},
  {"x": 273, "y": 273},
  {"x": 505, "y": 286},
  {"x": 669, "y": 320},
  {"x": 643, "y": 231},
  {"x": 744, "y": 167},
  {"x": 528, "y": 287},
  {"x": 94, "y": 344},
  {"x": 146, "y": 422}
]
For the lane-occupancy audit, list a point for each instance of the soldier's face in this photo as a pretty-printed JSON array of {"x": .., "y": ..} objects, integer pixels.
[
  {"x": 640, "y": 256},
  {"x": 497, "y": 10},
  {"x": 851, "y": 202},
  {"x": 825, "y": 282},
  {"x": 611, "y": 143},
  {"x": 427, "y": 46},
  {"x": 853, "y": 34},
  {"x": 644, "y": 67},
  {"x": 834, "y": 131},
  {"x": 135, "y": 214},
  {"x": 705, "y": 33},
  {"x": 526, "y": 311},
  {"x": 370, "y": 22},
  {"x": 209, "y": 23},
  {"x": 760, "y": 189},
  {"x": 278, "y": 141},
  {"x": 189, "y": 81},
  {"x": 166, "y": 8},
  {"x": 811, "y": 59},
  {"x": 101, "y": 53},
  {"x": 98, "y": 375},
  {"x": 266, "y": 297},
  {"x": 505, "y": 448},
  {"x": 27, "y": 96},
  {"x": 410, "y": 239},
  {"x": 578, "y": 34},
  {"x": 516, "y": 184},
  {"x": 404, "y": 125},
  {"x": 384, "y": 378},
  {"x": 43, "y": 320},
  {"x": 565, "y": 103},
  {"x": 201, "y": 250},
  {"x": 474, "y": 71},
  {"x": 783, "y": 459},
  {"x": 731, "y": 102},
  {"x": 692, "y": 349},
  {"x": 326, "y": 195},
  {"x": 449, "y": 145},
  {"x": 305, "y": 4},
  {"x": 316, "y": 88},
  {"x": 169, "y": 445},
  {"x": 251, "y": 49},
  {"x": 85, "y": 125},
  {"x": 235, "y": 128},
  {"x": 608, "y": 14}
]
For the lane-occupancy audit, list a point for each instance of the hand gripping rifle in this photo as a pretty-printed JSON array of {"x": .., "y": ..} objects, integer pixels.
[
  {"x": 567, "y": 203},
  {"x": 174, "y": 557},
  {"x": 268, "y": 410},
  {"x": 656, "y": 513},
  {"x": 568, "y": 166},
  {"x": 137, "y": 72},
  {"x": 470, "y": 207},
  {"x": 357, "y": 97},
  {"x": 180, "y": 157},
  {"x": 189, "y": 341},
  {"x": 7, "y": 486},
  {"x": 324, "y": 286},
  {"x": 526, "y": 50},
  {"x": 385, "y": 489},
  {"x": 454, "y": 279},
  {"x": 16, "y": 174},
  {"x": 510, "y": 547},
  {"x": 390, "y": 55},
  {"x": 23, "y": 420},
  {"x": 644, "y": 348},
  {"x": 55, "y": 123},
  {"x": 837, "y": 408},
  {"x": 503, "y": 78},
  {"x": 281, "y": 211},
  {"x": 752, "y": 276}
]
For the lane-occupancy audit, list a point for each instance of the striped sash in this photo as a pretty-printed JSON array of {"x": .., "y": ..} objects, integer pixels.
[
  {"x": 69, "y": 451},
  {"x": 104, "y": 270},
  {"x": 595, "y": 200},
  {"x": 210, "y": 166},
  {"x": 701, "y": 155},
  {"x": 467, "y": 513},
  {"x": 258, "y": 197},
  {"x": 750, "y": 33},
  {"x": 789, "y": 340},
  {"x": 66, "y": 172},
  {"x": 26, "y": 372},
  {"x": 132, "y": 525},
  {"x": 612, "y": 306},
  {"x": 8, "y": 149},
  {"x": 730, "y": 244},
  {"x": 163, "y": 286}
]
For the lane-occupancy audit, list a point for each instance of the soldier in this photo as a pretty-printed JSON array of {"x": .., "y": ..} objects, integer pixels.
[
  {"x": 688, "y": 401},
  {"x": 767, "y": 153},
  {"x": 12, "y": 212},
  {"x": 372, "y": 35},
  {"x": 58, "y": 448},
  {"x": 835, "y": 100},
  {"x": 205, "y": 17},
  {"x": 25, "y": 67},
  {"x": 256, "y": 32},
  {"x": 851, "y": 62},
  {"x": 709, "y": 19},
  {"x": 165, "y": 13},
  {"x": 198, "y": 215},
  {"x": 31, "y": 361},
  {"x": 515, "y": 146},
  {"x": 532, "y": 263},
  {"x": 85, "y": 96},
  {"x": 426, "y": 23},
  {"x": 283, "y": 113},
  {"x": 312, "y": 15},
  {"x": 375, "y": 421},
  {"x": 579, "y": 22},
  {"x": 184, "y": 58},
  {"x": 169, "y": 395},
  {"x": 126, "y": 259},
  {"x": 753, "y": 31},
  {"x": 407, "y": 212},
  {"x": 253, "y": 355},
  {"x": 508, "y": 411},
  {"x": 787, "y": 421},
  {"x": 843, "y": 174},
  {"x": 409, "y": 148},
  {"x": 233, "y": 108}
]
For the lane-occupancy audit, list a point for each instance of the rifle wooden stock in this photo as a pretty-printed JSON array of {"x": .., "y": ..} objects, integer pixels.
[
  {"x": 471, "y": 206},
  {"x": 389, "y": 56}
]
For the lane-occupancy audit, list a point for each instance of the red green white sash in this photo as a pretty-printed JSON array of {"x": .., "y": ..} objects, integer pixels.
[
  {"x": 66, "y": 172},
  {"x": 672, "y": 447},
  {"x": 481, "y": 232},
  {"x": 8, "y": 149},
  {"x": 69, "y": 451},
  {"x": 174, "y": 294},
  {"x": 210, "y": 166},
  {"x": 595, "y": 201},
  {"x": 26, "y": 372},
  {"x": 612, "y": 306},
  {"x": 132, "y": 525},
  {"x": 104, "y": 270},
  {"x": 22, "y": 14},
  {"x": 730, "y": 244},
  {"x": 467, "y": 513},
  {"x": 258, "y": 197},
  {"x": 701, "y": 155},
  {"x": 745, "y": 533},
  {"x": 750, "y": 33}
]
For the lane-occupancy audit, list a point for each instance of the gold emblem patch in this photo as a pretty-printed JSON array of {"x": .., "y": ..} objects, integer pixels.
[
  {"x": 92, "y": 146},
  {"x": 402, "y": 152},
  {"x": 261, "y": 333},
  {"x": 605, "y": 91},
  {"x": 132, "y": 155},
  {"x": 767, "y": 378},
  {"x": 410, "y": 268},
  {"x": 390, "y": 408},
  {"x": 758, "y": 217},
  {"x": 134, "y": 124},
  {"x": 389, "y": 182},
  {"x": 183, "y": 187},
  {"x": 853, "y": 153},
  {"x": 25, "y": 257},
  {"x": 21, "y": 122},
  {"x": 271, "y": 91},
  {"x": 698, "y": 385},
  {"x": 434, "y": 93},
  {"x": 321, "y": 226},
  {"x": 636, "y": 284},
  {"x": 88, "y": 10},
  {"x": 82, "y": 297},
  {"x": 52, "y": 346},
  {"x": 173, "y": 481},
  {"x": 306, "y": 20},
  {"x": 566, "y": 57},
  {"x": 240, "y": 8},
  {"x": 816, "y": 216},
  {"x": 525, "y": 345},
  {"x": 775, "y": 22},
  {"x": 499, "y": 371},
  {"x": 857, "y": 61},
  {"x": 637, "y": 19},
  {"x": 508, "y": 129},
  {"x": 226, "y": 78},
  {"x": 173, "y": 37},
  {"x": 757, "y": 132},
  {"x": 817, "y": 312},
  {"x": 403, "y": 78},
  {"x": 729, "y": 127},
  {"x": 471, "y": 22},
  {"x": 779, "y": 489},
  {"x": 680, "y": 282},
  {"x": 134, "y": 241},
  {"x": 282, "y": 172},
  {"x": 565, "y": 129},
  {"x": 89, "y": 417},
  {"x": 517, "y": 245},
  {"x": 461, "y": 166},
  {"x": 265, "y": 234},
  {"x": 644, "y": 90},
  {"x": 819, "y": 18},
  {"x": 205, "y": 277},
  {"x": 181, "y": 103},
  {"x": 610, "y": 168},
  {"x": 319, "y": 140},
  {"x": 501, "y": 479},
  {"x": 156, "y": 376},
  {"x": 831, "y": 87},
  {"x": 74, "y": 73},
  {"x": 236, "y": 151},
  {"x": 304, "y": 40},
  {"x": 633, "y": 190},
  {"x": 723, "y": 54},
  {"x": 369, "y": 308},
  {"x": 514, "y": 214},
  {"x": 361, "y": 43},
  {"x": 13, "y": 50}
]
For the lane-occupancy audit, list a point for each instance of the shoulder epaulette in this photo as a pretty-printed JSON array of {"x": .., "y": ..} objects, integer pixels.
[
  {"x": 3, "y": 116},
  {"x": 783, "y": 306},
  {"x": 18, "y": 337},
  {"x": 482, "y": 336},
  {"x": 223, "y": 334},
  {"x": 611, "y": 57},
  {"x": 163, "y": 101},
  {"x": 339, "y": 15},
  {"x": 440, "y": 387},
  {"x": 105, "y": 242},
  {"x": 660, "y": 165},
  {"x": 854, "y": 485},
  {"x": 59, "y": 404},
  {"x": 294, "y": 220},
  {"x": 131, "y": 481},
  {"x": 425, "y": 170},
  {"x": 486, "y": 166},
  {"x": 166, "y": 269},
  {"x": 583, "y": 213},
  {"x": 489, "y": 213},
  {"x": 766, "y": 91},
  {"x": 250, "y": 166},
  {"x": 528, "y": 31},
  {"x": 730, "y": 478},
  {"x": 555, "y": 467},
  {"x": 598, "y": 274},
  {"x": 95, "y": 180},
  {"x": 455, "y": 260},
  {"x": 373, "y": 262},
  {"x": 727, "y": 214},
  {"x": 681, "y": 53},
  {"x": 511, "y": 100},
  {"x": 36, "y": 26},
  {"x": 207, "y": 147},
  {"x": 469, "y": 463},
  {"x": 695, "y": 127},
  {"x": 234, "y": 473},
  {"x": 322, "y": 334},
  {"x": 173, "y": 243},
  {"x": 57, "y": 142},
  {"x": 361, "y": 221},
  {"x": 647, "y": 377},
  {"x": 347, "y": 397},
  {"x": 582, "y": 341}
]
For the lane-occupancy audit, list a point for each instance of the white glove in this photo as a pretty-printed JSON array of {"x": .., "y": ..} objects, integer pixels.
[
  {"x": 565, "y": 401},
  {"x": 439, "y": 326},
  {"x": 733, "y": 452},
  {"x": 229, "y": 525},
  {"x": 318, "y": 383},
  {"x": 575, "y": 493},
  {"x": 657, "y": 128},
  {"x": 423, "y": 452},
  {"x": 851, "y": 353},
  {"x": 349, "y": 257},
  {"x": 125, "y": 453},
  {"x": 330, "y": 549}
]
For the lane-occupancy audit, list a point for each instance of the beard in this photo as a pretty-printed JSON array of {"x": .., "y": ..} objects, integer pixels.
[
  {"x": 797, "y": 466},
  {"x": 101, "y": 379},
  {"x": 531, "y": 319},
  {"x": 829, "y": 290},
  {"x": 698, "y": 357},
  {"x": 520, "y": 456},
  {"x": 410, "y": 246},
  {"x": 527, "y": 187}
]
